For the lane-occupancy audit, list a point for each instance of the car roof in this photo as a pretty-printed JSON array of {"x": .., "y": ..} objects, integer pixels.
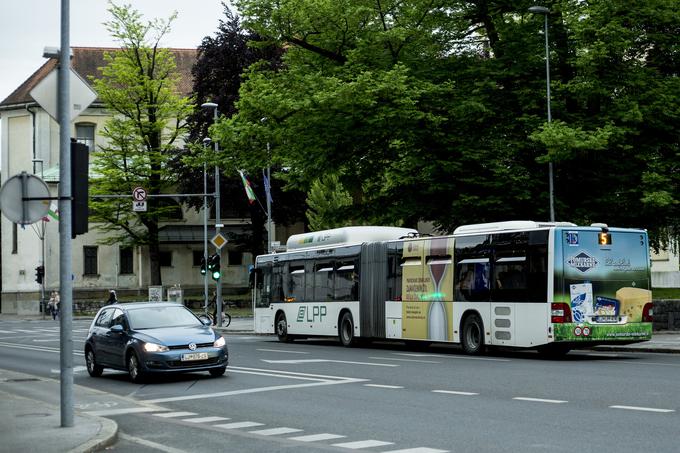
[{"x": 134, "y": 305}]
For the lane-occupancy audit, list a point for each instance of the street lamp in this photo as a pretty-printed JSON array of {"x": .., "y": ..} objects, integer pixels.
[
  {"x": 218, "y": 293},
  {"x": 206, "y": 143},
  {"x": 270, "y": 236},
  {"x": 545, "y": 12}
]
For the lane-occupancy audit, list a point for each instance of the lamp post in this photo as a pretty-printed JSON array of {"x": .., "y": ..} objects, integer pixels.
[
  {"x": 545, "y": 12},
  {"x": 270, "y": 237},
  {"x": 218, "y": 293},
  {"x": 206, "y": 143}
]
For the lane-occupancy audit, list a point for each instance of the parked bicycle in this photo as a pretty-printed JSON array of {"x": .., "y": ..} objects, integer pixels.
[{"x": 212, "y": 313}]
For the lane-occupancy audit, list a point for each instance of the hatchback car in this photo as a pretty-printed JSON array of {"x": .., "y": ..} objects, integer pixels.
[{"x": 144, "y": 338}]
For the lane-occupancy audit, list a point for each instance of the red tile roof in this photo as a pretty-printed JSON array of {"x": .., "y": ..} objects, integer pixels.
[{"x": 86, "y": 61}]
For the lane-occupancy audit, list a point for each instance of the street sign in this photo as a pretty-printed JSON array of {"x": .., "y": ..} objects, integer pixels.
[
  {"x": 219, "y": 241},
  {"x": 13, "y": 204},
  {"x": 139, "y": 206},
  {"x": 139, "y": 194},
  {"x": 45, "y": 94}
]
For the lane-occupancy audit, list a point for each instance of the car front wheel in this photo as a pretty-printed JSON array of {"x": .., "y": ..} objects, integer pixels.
[
  {"x": 134, "y": 370},
  {"x": 93, "y": 369}
]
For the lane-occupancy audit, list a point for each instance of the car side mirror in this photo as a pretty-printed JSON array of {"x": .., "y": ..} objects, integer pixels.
[
  {"x": 205, "y": 320},
  {"x": 117, "y": 328}
]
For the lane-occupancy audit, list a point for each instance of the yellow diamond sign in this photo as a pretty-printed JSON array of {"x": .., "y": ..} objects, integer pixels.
[{"x": 219, "y": 241}]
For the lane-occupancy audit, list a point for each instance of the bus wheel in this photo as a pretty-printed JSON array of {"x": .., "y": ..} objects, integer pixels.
[
  {"x": 473, "y": 335},
  {"x": 346, "y": 330},
  {"x": 282, "y": 328}
]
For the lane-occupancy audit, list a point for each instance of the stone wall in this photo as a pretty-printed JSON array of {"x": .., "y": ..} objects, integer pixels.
[{"x": 667, "y": 314}]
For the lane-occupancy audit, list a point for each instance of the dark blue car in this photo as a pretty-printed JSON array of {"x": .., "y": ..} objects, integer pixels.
[{"x": 144, "y": 338}]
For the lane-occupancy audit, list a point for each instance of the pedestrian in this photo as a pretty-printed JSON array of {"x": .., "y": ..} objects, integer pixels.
[
  {"x": 112, "y": 298},
  {"x": 213, "y": 302},
  {"x": 53, "y": 304}
]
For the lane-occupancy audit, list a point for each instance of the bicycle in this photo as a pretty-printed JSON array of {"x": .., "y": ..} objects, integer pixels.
[{"x": 226, "y": 319}]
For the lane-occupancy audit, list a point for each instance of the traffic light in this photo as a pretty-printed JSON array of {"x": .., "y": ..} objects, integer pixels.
[
  {"x": 40, "y": 274},
  {"x": 214, "y": 266},
  {"x": 204, "y": 267},
  {"x": 80, "y": 157}
]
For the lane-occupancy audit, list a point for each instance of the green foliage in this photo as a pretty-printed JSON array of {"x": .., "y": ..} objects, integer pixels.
[
  {"x": 434, "y": 111},
  {"x": 138, "y": 87},
  {"x": 326, "y": 199}
]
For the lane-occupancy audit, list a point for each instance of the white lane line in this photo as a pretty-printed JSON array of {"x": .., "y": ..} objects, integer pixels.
[
  {"x": 539, "y": 400},
  {"x": 362, "y": 444},
  {"x": 129, "y": 410},
  {"x": 297, "y": 362},
  {"x": 403, "y": 360},
  {"x": 418, "y": 450},
  {"x": 275, "y": 431},
  {"x": 456, "y": 357},
  {"x": 6, "y": 331},
  {"x": 316, "y": 437},
  {"x": 175, "y": 414},
  {"x": 76, "y": 369},
  {"x": 150, "y": 444},
  {"x": 648, "y": 363},
  {"x": 238, "y": 425},
  {"x": 205, "y": 419},
  {"x": 602, "y": 354},
  {"x": 454, "y": 392},
  {"x": 645, "y": 409},
  {"x": 381, "y": 386},
  {"x": 282, "y": 350}
]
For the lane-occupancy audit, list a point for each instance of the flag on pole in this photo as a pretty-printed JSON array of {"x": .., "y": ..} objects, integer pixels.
[
  {"x": 52, "y": 211},
  {"x": 246, "y": 185},
  {"x": 267, "y": 187}
]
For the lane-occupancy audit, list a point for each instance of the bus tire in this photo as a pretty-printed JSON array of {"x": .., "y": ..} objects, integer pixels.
[
  {"x": 282, "y": 328},
  {"x": 346, "y": 330},
  {"x": 472, "y": 338}
]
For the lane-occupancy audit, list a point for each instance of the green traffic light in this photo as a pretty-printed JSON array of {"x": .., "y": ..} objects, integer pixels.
[{"x": 216, "y": 275}]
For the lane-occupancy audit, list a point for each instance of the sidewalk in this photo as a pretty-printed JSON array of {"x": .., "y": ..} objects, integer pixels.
[{"x": 31, "y": 425}]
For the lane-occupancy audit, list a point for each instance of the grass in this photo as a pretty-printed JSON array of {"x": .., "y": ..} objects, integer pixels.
[{"x": 666, "y": 293}]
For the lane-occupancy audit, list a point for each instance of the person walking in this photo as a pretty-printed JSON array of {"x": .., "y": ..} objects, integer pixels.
[
  {"x": 113, "y": 299},
  {"x": 53, "y": 304}
]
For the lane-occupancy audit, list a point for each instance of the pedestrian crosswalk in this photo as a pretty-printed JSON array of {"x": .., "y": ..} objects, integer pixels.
[{"x": 260, "y": 429}]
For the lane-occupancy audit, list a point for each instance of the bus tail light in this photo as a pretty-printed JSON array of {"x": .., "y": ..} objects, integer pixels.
[
  {"x": 560, "y": 313},
  {"x": 648, "y": 313}
]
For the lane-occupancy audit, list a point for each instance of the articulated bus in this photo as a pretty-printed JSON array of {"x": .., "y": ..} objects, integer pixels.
[{"x": 547, "y": 286}]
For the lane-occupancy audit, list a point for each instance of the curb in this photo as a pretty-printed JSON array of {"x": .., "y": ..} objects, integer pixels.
[{"x": 107, "y": 435}]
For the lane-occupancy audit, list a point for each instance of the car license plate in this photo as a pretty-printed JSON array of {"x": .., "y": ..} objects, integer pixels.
[
  {"x": 609, "y": 319},
  {"x": 194, "y": 356}
]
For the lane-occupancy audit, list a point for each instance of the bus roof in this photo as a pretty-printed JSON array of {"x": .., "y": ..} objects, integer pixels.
[
  {"x": 510, "y": 225},
  {"x": 346, "y": 235}
]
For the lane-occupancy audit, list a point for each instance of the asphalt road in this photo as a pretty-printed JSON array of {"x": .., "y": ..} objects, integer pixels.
[{"x": 315, "y": 395}]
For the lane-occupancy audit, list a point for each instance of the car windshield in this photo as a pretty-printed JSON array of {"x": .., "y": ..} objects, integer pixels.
[{"x": 156, "y": 317}]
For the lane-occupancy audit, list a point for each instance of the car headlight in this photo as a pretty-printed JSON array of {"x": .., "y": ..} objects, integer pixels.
[
  {"x": 153, "y": 347},
  {"x": 219, "y": 342}
]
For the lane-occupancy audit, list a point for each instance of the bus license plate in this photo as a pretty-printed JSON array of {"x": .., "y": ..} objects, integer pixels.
[
  {"x": 194, "y": 356},
  {"x": 607, "y": 319}
]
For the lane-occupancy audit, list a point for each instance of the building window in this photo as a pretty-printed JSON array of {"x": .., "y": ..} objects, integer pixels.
[
  {"x": 85, "y": 134},
  {"x": 165, "y": 258},
  {"x": 235, "y": 258},
  {"x": 126, "y": 260},
  {"x": 90, "y": 260}
]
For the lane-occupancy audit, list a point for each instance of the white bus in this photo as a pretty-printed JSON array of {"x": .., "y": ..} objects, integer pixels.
[{"x": 549, "y": 286}]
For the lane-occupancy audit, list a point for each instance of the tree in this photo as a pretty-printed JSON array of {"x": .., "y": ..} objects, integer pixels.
[
  {"x": 325, "y": 201},
  {"x": 433, "y": 111},
  {"x": 222, "y": 60},
  {"x": 139, "y": 87}
]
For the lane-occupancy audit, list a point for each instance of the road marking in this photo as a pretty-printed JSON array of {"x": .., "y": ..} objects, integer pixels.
[
  {"x": 150, "y": 444},
  {"x": 649, "y": 363},
  {"x": 297, "y": 362},
  {"x": 404, "y": 360},
  {"x": 456, "y": 357},
  {"x": 418, "y": 450},
  {"x": 539, "y": 400},
  {"x": 362, "y": 444},
  {"x": 282, "y": 350},
  {"x": 316, "y": 437},
  {"x": 238, "y": 425},
  {"x": 454, "y": 392},
  {"x": 36, "y": 348},
  {"x": 205, "y": 419},
  {"x": 76, "y": 369},
  {"x": 6, "y": 331},
  {"x": 174, "y": 414},
  {"x": 275, "y": 431},
  {"x": 128, "y": 410},
  {"x": 384, "y": 386},
  {"x": 645, "y": 409},
  {"x": 602, "y": 354}
]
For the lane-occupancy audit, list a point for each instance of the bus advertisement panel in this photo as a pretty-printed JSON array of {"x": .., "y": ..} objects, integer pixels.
[{"x": 603, "y": 277}]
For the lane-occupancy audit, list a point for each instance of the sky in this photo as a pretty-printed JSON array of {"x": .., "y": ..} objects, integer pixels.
[{"x": 28, "y": 26}]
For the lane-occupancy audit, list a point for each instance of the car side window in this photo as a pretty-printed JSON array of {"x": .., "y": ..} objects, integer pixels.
[
  {"x": 118, "y": 318},
  {"x": 104, "y": 319}
]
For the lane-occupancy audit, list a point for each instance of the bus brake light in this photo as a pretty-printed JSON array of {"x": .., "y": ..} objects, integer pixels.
[
  {"x": 648, "y": 313},
  {"x": 560, "y": 313}
]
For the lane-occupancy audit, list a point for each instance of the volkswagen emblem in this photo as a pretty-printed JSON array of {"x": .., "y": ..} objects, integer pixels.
[{"x": 192, "y": 346}]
